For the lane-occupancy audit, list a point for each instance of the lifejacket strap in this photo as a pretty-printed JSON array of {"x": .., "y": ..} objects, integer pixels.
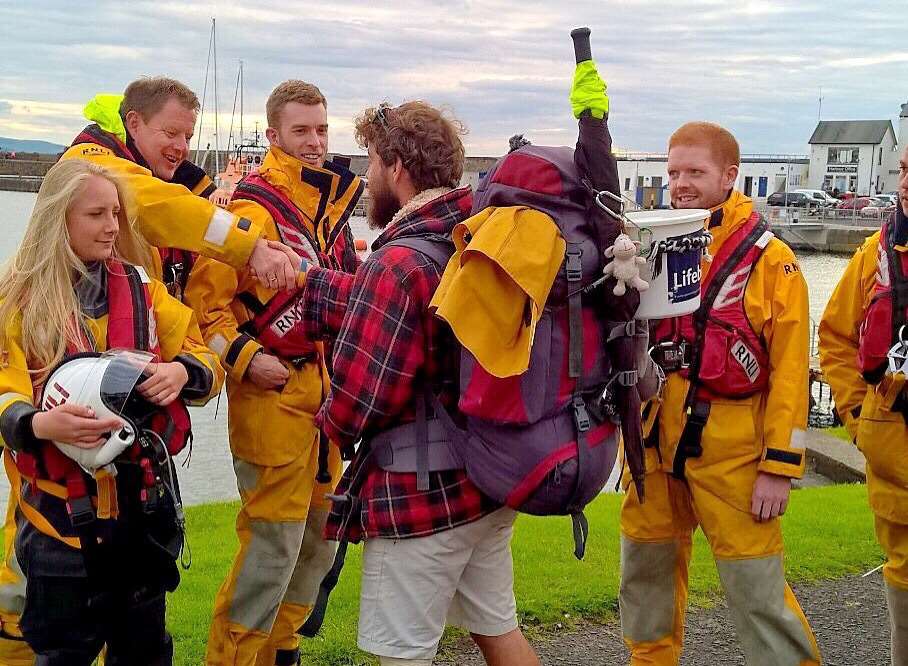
[{"x": 690, "y": 444}]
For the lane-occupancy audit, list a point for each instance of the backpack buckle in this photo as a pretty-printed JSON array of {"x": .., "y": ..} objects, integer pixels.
[
  {"x": 581, "y": 415},
  {"x": 627, "y": 378},
  {"x": 574, "y": 264},
  {"x": 81, "y": 511}
]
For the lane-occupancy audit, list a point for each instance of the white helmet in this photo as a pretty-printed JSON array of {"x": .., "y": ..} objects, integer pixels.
[{"x": 104, "y": 382}]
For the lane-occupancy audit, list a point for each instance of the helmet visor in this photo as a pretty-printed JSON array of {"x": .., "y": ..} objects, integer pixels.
[{"x": 123, "y": 372}]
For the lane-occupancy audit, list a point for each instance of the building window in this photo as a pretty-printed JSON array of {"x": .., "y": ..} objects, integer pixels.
[
  {"x": 657, "y": 181},
  {"x": 846, "y": 155},
  {"x": 639, "y": 181},
  {"x": 748, "y": 185},
  {"x": 794, "y": 180},
  {"x": 627, "y": 184},
  {"x": 880, "y": 162},
  {"x": 761, "y": 186}
]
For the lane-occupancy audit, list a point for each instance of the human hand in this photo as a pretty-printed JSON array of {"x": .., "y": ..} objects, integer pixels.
[
  {"x": 73, "y": 424},
  {"x": 770, "y": 496},
  {"x": 267, "y": 372},
  {"x": 274, "y": 265},
  {"x": 164, "y": 384}
]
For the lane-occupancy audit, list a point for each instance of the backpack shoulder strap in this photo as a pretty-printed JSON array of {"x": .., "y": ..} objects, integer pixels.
[{"x": 437, "y": 247}]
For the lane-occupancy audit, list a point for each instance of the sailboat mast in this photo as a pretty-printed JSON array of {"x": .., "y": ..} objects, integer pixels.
[
  {"x": 217, "y": 147},
  {"x": 241, "y": 102}
]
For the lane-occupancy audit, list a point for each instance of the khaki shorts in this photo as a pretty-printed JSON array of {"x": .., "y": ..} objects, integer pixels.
[{"x": 412, "y": 587}]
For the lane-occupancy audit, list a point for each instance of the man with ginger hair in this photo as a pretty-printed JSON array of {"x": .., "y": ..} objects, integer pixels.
[{"x": 729, "y": 433}]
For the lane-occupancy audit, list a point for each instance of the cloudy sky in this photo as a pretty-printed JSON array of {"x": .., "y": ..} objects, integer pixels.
[{"x": 502, "y": 66}]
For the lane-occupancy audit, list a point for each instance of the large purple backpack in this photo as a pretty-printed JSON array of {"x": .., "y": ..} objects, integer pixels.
[{"x": 543, "y": 442}]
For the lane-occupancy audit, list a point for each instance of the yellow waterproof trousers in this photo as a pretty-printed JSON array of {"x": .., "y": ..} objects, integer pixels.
[
  {"x": 282, "y": 558},
  {"x": 893, "y": 537},
  {"x": 656, "y": 539}
]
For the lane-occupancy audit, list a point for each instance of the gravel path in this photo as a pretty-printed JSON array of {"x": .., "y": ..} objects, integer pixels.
[{"x": 848, "y": 616}]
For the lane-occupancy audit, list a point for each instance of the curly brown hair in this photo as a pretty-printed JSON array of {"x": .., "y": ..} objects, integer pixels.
[{"x": 426, "y": 139}]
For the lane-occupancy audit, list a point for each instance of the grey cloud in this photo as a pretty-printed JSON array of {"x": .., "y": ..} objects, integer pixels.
[{"x": 757, "y": 72}]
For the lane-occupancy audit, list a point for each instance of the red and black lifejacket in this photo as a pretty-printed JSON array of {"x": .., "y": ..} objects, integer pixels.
[
  {"x": 727, "y": 358},
  {"x": 888, "y": 311},
  {"x": 175, "y": 263},
  {"x": 131, "y": 325},
  {"x": 716, "y": 347},
  {"x": 276, "y": 325}
]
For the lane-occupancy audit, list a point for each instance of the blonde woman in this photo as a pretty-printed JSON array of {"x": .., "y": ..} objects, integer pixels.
[{"x": 97, "y": 549}]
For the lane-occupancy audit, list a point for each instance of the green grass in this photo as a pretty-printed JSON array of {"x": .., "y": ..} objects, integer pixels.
[
  {"x": 828, "y": 533},
  {"x": 839, "y": 432}
]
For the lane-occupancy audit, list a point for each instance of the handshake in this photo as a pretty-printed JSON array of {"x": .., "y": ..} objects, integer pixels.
[{"x": 277, "y": 266}]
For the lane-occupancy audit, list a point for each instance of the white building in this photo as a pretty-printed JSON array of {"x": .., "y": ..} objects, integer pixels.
[{"x": 853, "y": 156}]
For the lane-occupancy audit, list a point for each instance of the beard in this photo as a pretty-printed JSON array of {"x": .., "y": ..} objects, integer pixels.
[{"x": 383, "y": 205}]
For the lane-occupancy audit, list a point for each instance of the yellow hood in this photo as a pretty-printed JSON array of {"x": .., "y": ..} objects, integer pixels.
[{"x": 494, "y": 288}]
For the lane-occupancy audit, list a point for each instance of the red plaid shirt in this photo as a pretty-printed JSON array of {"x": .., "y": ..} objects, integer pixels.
[{"x": 388, "y": 345}]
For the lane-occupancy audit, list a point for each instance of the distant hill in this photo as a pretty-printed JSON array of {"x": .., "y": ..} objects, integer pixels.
[{"x": 29, "y": 146}]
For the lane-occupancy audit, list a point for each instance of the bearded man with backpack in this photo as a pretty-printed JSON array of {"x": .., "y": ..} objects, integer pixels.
[
  {"x": 497, "y": 302},
  {"x": 434, "y": 554}
]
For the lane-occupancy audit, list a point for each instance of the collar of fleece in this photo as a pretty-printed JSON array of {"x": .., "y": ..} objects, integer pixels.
[{"x": 418, "y": 202}]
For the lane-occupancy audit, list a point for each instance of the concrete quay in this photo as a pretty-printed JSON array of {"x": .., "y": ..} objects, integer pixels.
[
  {"x": 20, "y": 183},
  {"x": 835, "y": 459},
  {"x": 823, "y": 236}
]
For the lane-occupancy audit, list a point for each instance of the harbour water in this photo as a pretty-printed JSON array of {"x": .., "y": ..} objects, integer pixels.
[{"x": 210, "y": 477}]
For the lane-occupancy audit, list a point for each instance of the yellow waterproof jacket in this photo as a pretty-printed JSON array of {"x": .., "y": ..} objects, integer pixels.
[
  {"x": 268, "y": 428},
  {"x": 505, "y": 262},
  {"x": 178, "y": 335},
  {"x": 764, "y": 431},
  {"x": 167, "y": 214},
  {"x": 880, "y": 433},
  {"x": 177, "y": 329}
]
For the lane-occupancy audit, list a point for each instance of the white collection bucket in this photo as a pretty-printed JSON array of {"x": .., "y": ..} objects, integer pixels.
[{"x": 675, "y": 289}]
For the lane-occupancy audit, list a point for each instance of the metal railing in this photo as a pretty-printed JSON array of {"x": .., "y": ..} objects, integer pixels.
[{"x": 812, "y": 214}]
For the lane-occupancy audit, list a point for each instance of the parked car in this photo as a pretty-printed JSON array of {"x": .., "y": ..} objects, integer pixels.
[
  {"x": 792, "y": 200},
  {"x": 824, "y": 199},
  {"x": 879, "y": 207},
  {"x": 854, "y": 203}
]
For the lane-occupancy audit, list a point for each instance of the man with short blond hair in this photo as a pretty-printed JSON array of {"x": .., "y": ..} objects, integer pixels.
[
  {"x": 730, "y": 431},
  {"x": 276, "y": 383},
  {"x": 293, "y": 90}
]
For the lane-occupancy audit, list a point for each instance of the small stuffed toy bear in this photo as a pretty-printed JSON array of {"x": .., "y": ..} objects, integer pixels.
[{"x": 625, "y": 265}]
